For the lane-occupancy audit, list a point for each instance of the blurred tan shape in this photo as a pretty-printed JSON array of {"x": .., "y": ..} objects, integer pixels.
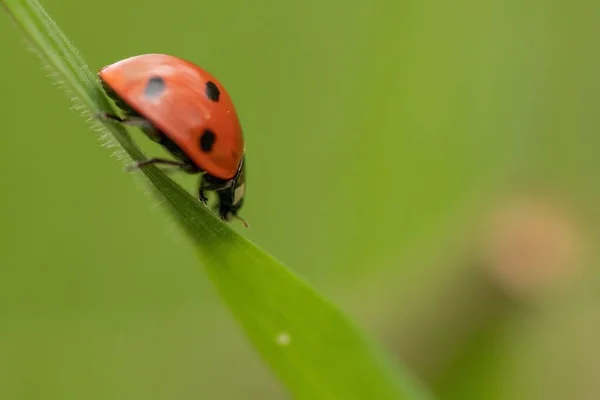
[{"x": 532, "y": 245}]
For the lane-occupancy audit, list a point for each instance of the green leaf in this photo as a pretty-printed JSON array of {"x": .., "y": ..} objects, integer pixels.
[{"x": 311, "y": 345}]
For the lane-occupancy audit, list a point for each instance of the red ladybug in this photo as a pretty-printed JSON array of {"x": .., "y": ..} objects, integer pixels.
[{"x": 185, "y": 109}]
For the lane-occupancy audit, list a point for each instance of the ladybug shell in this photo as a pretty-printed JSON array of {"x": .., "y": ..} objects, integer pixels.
[{"x": 185, "y": 103}]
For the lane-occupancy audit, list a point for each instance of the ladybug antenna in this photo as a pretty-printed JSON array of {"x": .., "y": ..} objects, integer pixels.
[{"x": 241, "y": 219}]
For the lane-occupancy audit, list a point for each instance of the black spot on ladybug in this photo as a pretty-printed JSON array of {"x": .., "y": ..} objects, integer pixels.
[
  {"x": 154, "y": 87},
  {"x": 212, "y": 91},
  {"x": 207, "y": 140}
]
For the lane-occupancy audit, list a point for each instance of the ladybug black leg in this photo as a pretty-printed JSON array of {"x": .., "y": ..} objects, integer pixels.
[
  {"x": 202, "y": 191},
  {"x": 113, "y": 117},
  {"x": 131, "y": 120},
  {"x": 202, "y": 197},
  {"x": 206, "y": 186},
  {"x": 157, "y": 161}
]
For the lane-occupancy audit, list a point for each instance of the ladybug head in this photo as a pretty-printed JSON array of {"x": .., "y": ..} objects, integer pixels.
[
  {"x": 228, "y": 212},
  {"x": 231, "y": 199}
]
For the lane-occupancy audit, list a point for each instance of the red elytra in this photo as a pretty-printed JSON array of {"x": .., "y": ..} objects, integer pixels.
[{"x": 182, "y": 101}]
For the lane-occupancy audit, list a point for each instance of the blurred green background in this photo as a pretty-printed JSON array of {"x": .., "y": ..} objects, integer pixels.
[{"x": 431, "y": 166}]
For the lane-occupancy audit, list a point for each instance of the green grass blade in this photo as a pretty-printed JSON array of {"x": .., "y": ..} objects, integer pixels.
[{"x": 312, "y": 347}]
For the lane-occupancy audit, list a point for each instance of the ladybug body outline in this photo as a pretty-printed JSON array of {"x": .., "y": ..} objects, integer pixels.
[{"x": 187, "y": 111}]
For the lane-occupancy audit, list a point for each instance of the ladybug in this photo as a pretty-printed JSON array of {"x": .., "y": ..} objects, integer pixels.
[{"x": 186, "y": 110}]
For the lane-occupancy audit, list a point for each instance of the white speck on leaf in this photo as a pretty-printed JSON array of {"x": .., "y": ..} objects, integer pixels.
[{"x": 283, "y": 339}]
